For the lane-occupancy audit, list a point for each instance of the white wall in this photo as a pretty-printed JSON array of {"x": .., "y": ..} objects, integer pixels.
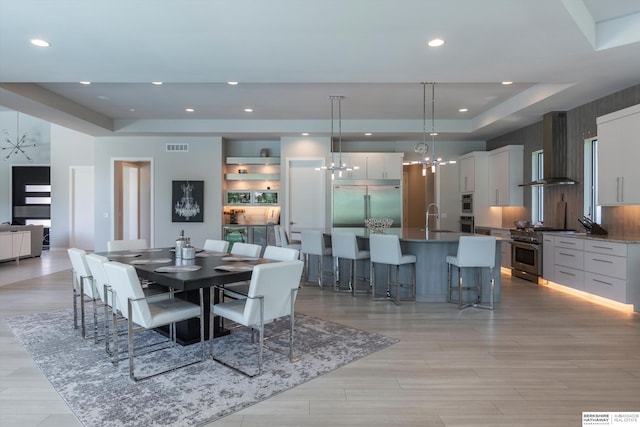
[
  {"x": 203, "y": 162},
  {"x": 68, "y": 148}
]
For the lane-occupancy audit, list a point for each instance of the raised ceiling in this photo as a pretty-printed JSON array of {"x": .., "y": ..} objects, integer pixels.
[{"x": 289, "y": 56}]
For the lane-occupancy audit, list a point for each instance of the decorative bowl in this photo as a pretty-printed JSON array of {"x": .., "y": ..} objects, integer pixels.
[{"x": 378, "y": 225}]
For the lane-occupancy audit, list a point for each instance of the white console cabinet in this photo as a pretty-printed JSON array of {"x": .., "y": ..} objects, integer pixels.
[{"x": 14, "y": 244}]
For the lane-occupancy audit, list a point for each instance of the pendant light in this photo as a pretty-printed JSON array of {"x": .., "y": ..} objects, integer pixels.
[
  {"x": 338, "y": 167},
  {"x": 21, "y": 142},
  {"x": 423, "y": 148}
]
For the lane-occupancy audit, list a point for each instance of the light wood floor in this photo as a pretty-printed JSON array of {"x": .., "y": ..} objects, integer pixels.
[{"x": 540, "y": 359}]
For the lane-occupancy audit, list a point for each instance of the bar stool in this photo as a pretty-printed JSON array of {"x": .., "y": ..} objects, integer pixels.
[
  {"x": 385, "y": 249},
  {"x": 473, "y": 252},
  {"x": 345, "y": 245},
  {"x": 313, "y": 244}
]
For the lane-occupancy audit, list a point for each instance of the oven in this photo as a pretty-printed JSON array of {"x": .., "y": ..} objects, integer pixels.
[
  {"x": 466, "y": 204},
  {"x": 466, "y": 224},
  {"x": 526, "y": 260}
]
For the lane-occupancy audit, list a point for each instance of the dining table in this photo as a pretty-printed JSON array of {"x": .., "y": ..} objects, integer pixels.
[{"x": 161, "y": 267}]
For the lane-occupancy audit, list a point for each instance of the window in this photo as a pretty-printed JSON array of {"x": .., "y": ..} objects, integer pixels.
[
  {"x": 537, "y": 193},
  {"x": 591, "y": 210}
]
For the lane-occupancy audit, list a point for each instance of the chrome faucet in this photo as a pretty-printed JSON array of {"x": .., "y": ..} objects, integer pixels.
[{"x": 436, "y": 215}]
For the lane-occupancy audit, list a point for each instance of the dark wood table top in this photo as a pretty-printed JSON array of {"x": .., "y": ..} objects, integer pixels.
[{"x": 205, "y": 277}]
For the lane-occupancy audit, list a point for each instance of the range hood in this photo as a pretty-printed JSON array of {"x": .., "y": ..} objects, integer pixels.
[{"x": 554, "y": 146}]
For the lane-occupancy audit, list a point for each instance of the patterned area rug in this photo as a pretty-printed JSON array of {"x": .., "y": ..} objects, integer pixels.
[{"x": 100, "y": 393}]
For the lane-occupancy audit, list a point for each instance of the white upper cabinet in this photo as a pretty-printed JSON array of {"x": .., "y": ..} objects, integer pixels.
[
  {"x": 467, "y": 173},
  {"x": 505, "y": 174},
  {"x": 384, "y": 165},
  {"x": 618, "y": 149},
  {"x": 371, "y": 165}
]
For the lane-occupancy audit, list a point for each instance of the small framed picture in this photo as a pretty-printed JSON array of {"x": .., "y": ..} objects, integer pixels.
[
  {"x": 238, "y": 198},
  {"x": 188, "y": 201},
  {"x": 268, "y": 197}
]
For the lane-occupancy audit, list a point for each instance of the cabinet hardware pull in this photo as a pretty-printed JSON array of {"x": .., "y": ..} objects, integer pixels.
[
  {"x": 565, "y": 254},
  {"x": 603, "y": 247},
  {"x": 565, "y": 272},
  {"x": 602, "y": 260},
  {"x": 603, "y": 282}
]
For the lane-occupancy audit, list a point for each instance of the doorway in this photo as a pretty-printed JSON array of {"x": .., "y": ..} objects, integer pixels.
[
  {"x": 132, "y": 199},
  {"x": 418, "y": 192}
]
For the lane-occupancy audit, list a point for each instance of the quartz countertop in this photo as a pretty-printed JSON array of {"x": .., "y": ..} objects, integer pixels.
[
  {"x": 408, "y": 234},
  {"x": 618, "y": 238}
]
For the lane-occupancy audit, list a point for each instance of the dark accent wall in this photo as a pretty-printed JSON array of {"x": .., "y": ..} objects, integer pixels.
[{"x": 581, "y": 125}]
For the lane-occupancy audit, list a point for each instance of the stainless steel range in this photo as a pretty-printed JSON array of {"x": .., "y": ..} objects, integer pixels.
[{"x": 526, "y": 252}]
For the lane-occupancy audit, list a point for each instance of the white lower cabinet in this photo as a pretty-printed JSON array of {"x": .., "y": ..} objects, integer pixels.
[
  {"x": 548, "y": 257},
  {"x": 599, "y": 267},
  {"x": 505, "y": 246}
]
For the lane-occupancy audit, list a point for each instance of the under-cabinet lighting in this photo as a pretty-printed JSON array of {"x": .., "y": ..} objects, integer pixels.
[{"x": 626, "y": 308}]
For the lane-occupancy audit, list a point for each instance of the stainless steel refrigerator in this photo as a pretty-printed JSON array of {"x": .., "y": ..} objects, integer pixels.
[{"x": 353, "y": 203}]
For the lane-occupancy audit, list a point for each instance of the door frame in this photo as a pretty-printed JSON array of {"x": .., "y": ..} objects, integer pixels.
[
  {"x": 285, "y": 217},
  {"x": 113, "y": 213}
]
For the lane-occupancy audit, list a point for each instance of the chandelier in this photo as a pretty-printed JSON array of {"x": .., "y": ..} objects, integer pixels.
[
  {"x": 422, "y": 148},
  {"x": 338, "y": 167},
  {"x": 20, "y": 143},
  {"x": 186, "y": 207}
]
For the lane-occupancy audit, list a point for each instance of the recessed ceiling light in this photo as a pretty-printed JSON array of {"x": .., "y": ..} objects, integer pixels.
[
  {"x": 368, "y": 134},
  {"x": 436, "y": 42},
  {"x": 40, "y": 43},
  {"x": 132, "y": 109},
  {"x": 507, "y": 83},
  {"x": 305, "y": 133},
  {"x": 232, "y": 83},
  {"x": 156, "y": 83},
  {"x": 248, "y": 110},
  {"x": 103, "y": 97},
  {"x": 463, "y": 110},
  {"x": 85, "y": 83},
  {"x": 189, "y": 110},
  {"x": 433, "y": 134}
]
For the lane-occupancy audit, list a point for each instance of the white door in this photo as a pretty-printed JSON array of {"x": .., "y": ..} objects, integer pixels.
[
  {"x": 306, "y": 195},
  {"x": 130, "y": 202},
  {"x": 81, "y": 209}
]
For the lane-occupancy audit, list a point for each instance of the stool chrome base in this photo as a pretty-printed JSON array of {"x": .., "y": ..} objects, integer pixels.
[
  {"x": 478, "y": 288},
  {"x": 398, "y": 285}
]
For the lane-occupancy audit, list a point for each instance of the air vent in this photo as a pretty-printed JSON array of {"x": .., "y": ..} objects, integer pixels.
[{"x": 177, "y": 148}]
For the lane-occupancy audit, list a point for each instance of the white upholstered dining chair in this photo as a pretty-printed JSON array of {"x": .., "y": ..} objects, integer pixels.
[
  {"x": 213, "y": 245},
  {"x": 126, "y": 245},
  {"x": 82, "y": 287},
  {"x": 150, "y": 312},
  {"x": 272, "y": 294}
]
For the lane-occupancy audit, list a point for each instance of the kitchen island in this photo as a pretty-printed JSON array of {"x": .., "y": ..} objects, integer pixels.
[{"x": 431, "y": 250}]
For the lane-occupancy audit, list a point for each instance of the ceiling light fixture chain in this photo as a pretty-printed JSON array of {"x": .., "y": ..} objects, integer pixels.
[
  {"x": 20, "y": 143},
  {"x": 423, "y": 147},
  {"x": 340, "y": 167}
]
